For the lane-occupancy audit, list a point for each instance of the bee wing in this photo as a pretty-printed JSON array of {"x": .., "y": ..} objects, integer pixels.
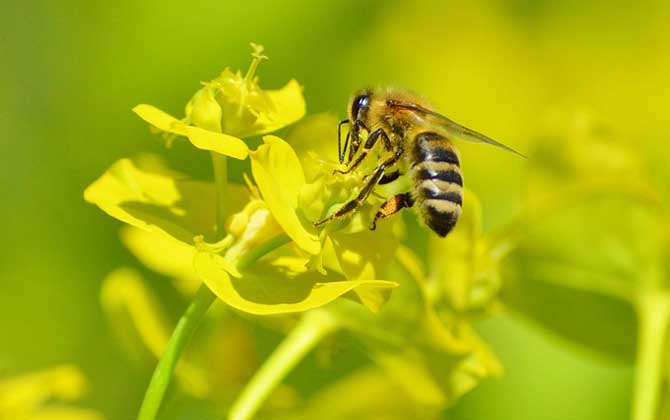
[{"x": 451, "y": 127}]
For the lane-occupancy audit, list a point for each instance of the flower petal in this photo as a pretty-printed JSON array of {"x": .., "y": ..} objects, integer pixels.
[
  {"x": 138, "y": 318},
  {"x": 159, "y": 119},
  {"x": 279, "y": 176},
  {"x": 217, "y": 142},
  {"x": 163, "y": 255},
  {"x": 155, "y": 199},
  {"x": 358, "y": 260},
  {"x": 126, "y": 301},
  {"x": 265, "y": 290},
  {"x": 289, "y": 105},
  {"x": 30, "y": 390},
  {"x": 200, "y": 138}
]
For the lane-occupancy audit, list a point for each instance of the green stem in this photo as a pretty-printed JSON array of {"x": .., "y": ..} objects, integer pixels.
[
  {"x": 309, "y": 331},
  {"x": 185, "y": 329},
  {"x": 180, "y": 337},
  {"x": 220, "y": 165},
  {"x": 654, "y": 314}
]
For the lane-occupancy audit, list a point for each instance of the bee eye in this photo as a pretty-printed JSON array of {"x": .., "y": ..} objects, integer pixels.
[{"x": 359, "y": 102}]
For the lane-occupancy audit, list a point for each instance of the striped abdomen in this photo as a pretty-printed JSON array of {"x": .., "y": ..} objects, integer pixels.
[{"x": 437, "y": 180}]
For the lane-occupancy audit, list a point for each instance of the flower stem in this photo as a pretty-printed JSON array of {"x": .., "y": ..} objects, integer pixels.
[
  {"x": 180, "y": 337},
  {"x": 654, "y": 314},
  {"x": 310, "y": 330},
  {"x": 185, "y": 329},
  {"x": 220, "y": 166}
]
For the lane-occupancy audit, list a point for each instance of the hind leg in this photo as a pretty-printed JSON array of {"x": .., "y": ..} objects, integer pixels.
[{"x": 392, "y": 206}]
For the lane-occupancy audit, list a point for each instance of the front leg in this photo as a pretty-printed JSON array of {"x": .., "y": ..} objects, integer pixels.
[
  {"x": 369, "y": 144},
  {"x": 340, "y": 149},
  {"x": 364, "y": 193},
  {"x": 355, "y": 133}
]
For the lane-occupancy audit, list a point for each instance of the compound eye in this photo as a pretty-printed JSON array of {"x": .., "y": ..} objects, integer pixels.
[{"x": 359, "y": 102}]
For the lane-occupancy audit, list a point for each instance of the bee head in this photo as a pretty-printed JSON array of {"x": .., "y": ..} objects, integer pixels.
[
  {"x": 358, "y": 110},
  {"x": 359, "y": 104}
]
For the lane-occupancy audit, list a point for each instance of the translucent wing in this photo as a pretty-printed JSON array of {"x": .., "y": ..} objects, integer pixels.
[{"x": 451, "y": 127}]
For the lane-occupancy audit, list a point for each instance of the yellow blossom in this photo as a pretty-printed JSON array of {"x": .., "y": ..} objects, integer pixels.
[
  {"x": 464, "y": 265},
  {"x": 41, "y": 395},
  {"x": 229, "y": 108}
]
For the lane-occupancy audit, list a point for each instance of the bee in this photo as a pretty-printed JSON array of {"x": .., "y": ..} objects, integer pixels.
[{"x": 417, "y": 142}]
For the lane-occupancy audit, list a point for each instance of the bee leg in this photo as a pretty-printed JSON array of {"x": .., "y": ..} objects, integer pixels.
[
  {"x": 355, "y": 139},
  {"x": 369, "y": 144},
  {"x": 388, "y": 178},
  {"x": 392, "y": 206},
  {"x": 364, "y": 193},
  {"x": 340, "y": 149}
]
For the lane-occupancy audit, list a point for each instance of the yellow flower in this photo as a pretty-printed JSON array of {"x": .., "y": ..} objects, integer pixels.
[
  {"x": 299, "y": 189},
  {"x": 229, "y": 108},
  {"x": 280, "y": 178},
  {"x": 281, "y": 282},
  {"x": 34, "y": 396},
  {"x": 173, "y": 210},
  {"x": 168, "y": 206},
  {"x": 160, "y": 253},
  {"x": 139, "y": 321},
  {"x": 464, "y": 266},
  {"x": 429, "y": 359},
  {"x": 146, "y": 194}
]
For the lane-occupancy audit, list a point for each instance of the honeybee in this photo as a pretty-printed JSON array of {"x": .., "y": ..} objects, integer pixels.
[{"x": 418, "y": 143}]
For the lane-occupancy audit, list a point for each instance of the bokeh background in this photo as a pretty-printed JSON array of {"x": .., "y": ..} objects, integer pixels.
[{"x": 71, "y": 71}]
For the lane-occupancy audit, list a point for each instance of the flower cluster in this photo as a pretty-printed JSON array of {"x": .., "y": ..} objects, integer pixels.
[
  {"x": 307, "y": 269},
  {"x": 255, "y": 248}
]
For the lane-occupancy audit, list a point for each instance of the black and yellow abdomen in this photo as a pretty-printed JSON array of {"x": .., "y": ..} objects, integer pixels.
[{"x": 437, "y": 180}]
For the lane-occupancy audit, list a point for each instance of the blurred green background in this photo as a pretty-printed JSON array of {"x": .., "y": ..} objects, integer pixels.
[{"x": 71, "y": 71}]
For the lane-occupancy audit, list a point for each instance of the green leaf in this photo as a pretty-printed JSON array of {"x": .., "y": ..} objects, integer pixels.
[
  {"x": 266, "y": 289},
  {"x": 155, "y": 199}
]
